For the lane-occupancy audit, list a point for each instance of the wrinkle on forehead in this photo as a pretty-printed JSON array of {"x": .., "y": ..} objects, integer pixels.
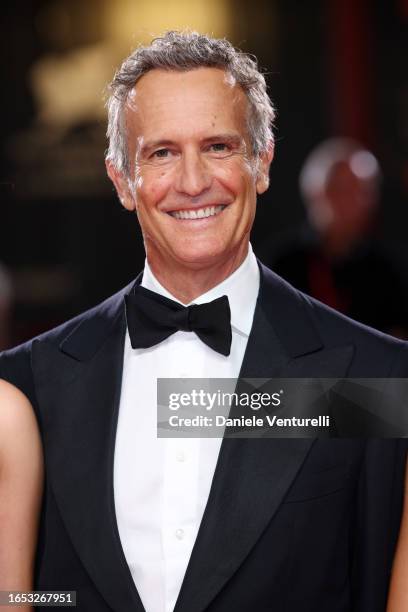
[
  {"x": 137, "y": 111},
  {"x": 131, "y": 100}
]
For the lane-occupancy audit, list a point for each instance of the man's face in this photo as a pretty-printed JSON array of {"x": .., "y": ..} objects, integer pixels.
[{"x": 193, "y": 179}]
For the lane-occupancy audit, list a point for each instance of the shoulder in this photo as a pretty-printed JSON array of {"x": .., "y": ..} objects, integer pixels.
[
  {"x": 102, "y": 311},
  {"x": 19, "y": 436},
  {"x": 16, "y": 363},
  {"x": 384, "y": 355},
  {"x": 375, "y": 354},
  {"x": 14, "y": 406},
  {"x": 336, "y": 327}
]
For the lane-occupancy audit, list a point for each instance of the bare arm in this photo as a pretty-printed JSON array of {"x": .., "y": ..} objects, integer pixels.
[
  {"x": 398, "y": 596},
  {"x": 21, "y": 483}
]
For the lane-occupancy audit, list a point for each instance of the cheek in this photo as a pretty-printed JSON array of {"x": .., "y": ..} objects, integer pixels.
[
  {"x": 236, "y": 177},
  {"x": 151, "y": 188}
]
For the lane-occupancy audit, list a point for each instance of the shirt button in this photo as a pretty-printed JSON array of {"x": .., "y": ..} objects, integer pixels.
[
  {"x": 179, "y": 534},
  {"x": 180, "y": 456}
]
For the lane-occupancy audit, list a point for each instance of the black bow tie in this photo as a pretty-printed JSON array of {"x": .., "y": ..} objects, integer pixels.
[{"x": 151, "y": 318}]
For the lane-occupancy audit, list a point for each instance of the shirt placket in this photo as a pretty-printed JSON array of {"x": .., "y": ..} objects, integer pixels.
[{"x": 180, "y": 485}]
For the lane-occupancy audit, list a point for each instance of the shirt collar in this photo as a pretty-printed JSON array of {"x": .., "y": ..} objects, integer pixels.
[{"x": 241, "y": 288}]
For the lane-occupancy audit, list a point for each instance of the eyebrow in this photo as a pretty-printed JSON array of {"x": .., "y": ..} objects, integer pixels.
[
  {"x": 155, "y": 144},
  {"x": 228, "y": 138},
  {"x": 232, "y": 139}
]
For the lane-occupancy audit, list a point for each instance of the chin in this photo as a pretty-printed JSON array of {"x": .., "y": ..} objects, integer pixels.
[{"x": 195, "y": 257}]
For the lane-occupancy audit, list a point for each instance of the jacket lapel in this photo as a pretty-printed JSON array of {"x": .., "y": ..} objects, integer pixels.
[
  {"x": 78, "y": 386},
  {"x": 253, "y": 475}
]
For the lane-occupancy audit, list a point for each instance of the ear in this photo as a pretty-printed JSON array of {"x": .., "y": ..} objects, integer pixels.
[
  {"x": 264, "y": 163},
  {"x": 122, "y": 186}
]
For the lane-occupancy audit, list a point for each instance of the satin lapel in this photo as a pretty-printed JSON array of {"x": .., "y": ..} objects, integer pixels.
[
  {"x": 253, "y": 476},
  {"x": 79, "y": 408}
]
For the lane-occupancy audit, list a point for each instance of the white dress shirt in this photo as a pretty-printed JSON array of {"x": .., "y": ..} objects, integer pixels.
[{"x": 161, "y": 485}]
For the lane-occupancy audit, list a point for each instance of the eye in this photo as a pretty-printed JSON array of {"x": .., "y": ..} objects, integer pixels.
[
  {"x": 161, "y": 153},
  {"x": 219, "y": 147}
]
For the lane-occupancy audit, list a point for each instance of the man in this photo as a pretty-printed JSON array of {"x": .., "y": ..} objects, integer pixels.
[{"x": 190, "y": 524}]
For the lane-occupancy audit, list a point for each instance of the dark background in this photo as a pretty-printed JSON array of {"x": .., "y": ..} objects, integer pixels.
[{"x": 334, "y": 68}]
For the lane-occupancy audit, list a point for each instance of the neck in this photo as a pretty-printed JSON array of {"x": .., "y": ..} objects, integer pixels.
[{"x": 186, "y": 282}]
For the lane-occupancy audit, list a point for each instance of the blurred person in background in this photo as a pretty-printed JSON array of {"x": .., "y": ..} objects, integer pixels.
[
  {"x": 336, "y": 258},
  {"x": 21, "y": 484}
]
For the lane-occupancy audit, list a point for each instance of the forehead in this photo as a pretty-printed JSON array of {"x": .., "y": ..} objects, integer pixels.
[{"x": 195, "y": 101}]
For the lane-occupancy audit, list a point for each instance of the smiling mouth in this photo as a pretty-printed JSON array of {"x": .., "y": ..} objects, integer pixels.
[{"x": 198, "y": 213}]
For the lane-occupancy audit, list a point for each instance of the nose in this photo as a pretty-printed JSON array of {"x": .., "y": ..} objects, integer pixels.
[{"x": 193, "y": 175}]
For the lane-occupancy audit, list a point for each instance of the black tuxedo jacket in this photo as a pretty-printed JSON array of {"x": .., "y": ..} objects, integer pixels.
[{"x": 291, "y": 524}]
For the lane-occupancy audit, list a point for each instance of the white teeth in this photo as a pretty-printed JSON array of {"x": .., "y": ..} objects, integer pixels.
[{"x": 200, "y": 213}]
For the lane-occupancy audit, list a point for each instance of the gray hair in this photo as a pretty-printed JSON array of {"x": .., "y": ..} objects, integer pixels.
[{"x": 183, "y": 51}]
